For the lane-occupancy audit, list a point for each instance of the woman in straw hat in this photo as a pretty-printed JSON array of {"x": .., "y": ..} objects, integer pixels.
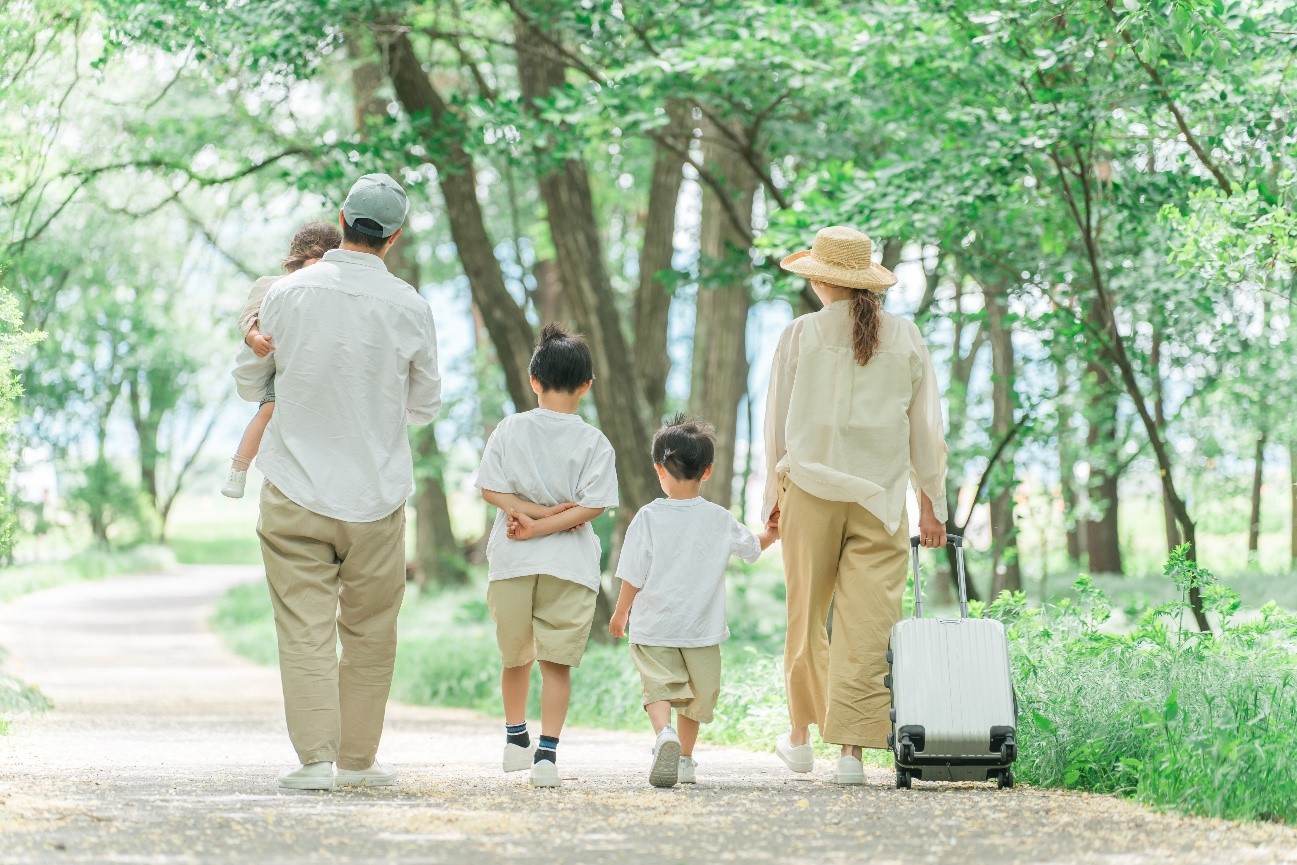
[{"x": 853, "y": 412}]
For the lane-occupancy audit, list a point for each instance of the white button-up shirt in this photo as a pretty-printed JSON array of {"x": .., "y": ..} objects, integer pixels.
[
  {"x": 355, "y": 361},
  {"x": 850, "y": 433}
]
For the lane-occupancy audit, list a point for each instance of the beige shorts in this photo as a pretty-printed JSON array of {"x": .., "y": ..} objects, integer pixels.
[
  {"x": 689, "y": 679},
  {"x": 540, "y": 618}
]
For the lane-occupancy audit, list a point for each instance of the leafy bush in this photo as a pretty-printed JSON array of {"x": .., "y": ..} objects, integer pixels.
[
  {"x": 17, "y": 696},
  {"x": 1202, "y": 723}
]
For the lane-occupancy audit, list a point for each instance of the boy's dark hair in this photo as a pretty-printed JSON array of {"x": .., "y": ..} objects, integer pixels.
[
  {"x": 311, "y": 241},
  {"x": 685, "y": 448},
  {"x": 358, "y": 238},
  {"x": 561, "y": 360}
]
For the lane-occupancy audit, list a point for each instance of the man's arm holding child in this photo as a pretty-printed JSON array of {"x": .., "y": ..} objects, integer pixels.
[{"x": 523, "y": 527}]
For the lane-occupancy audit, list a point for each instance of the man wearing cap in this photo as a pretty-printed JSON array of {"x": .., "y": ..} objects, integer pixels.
[{"x": 355, "y": 361}]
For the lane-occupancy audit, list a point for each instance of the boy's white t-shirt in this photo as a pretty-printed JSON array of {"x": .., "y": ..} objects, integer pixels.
[
  {"x": 675, "y": 553},
  {"x": 548, "y": 457}
]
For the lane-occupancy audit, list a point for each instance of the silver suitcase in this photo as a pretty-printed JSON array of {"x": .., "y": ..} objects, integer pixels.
[{"x": 954, "y": 711}]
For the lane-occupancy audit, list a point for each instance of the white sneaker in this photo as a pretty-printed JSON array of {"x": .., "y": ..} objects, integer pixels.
[
  {"x": 850, "y": 770},
  {"x": 311, "y": 776},
  {"x": 235, "y": 483},
  {"x": 517, "y": 758},
  {"x": 687, "y": 767},
  {"x": 666, "y": 759},
  {"x": 376, "y": 775},
  {"x": 544, "y": 773},
  {"x": 799, "y": 758}
]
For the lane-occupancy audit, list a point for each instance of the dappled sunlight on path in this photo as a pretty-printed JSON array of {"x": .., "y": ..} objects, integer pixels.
[{"x": 163, "y": 747}]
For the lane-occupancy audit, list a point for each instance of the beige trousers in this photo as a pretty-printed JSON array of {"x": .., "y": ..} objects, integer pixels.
[
  {"x": 333, "y": 581},
  {"x": 839, "y": 553}
]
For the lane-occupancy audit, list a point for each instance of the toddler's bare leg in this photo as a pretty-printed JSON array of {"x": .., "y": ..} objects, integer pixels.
[
  {"x": 251, "y": 441},
  {"x": 515, "y": 682},
  {"x": 659, "y": 714},
  {"x": 555, "y": 693},
  {"x": 688, "y": 730}
]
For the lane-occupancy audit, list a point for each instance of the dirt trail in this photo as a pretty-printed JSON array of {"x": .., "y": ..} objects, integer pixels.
[{"x": 163, "y": 748}]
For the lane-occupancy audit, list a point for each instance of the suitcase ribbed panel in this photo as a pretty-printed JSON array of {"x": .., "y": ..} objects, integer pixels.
[{"x": 951, "y": 676}]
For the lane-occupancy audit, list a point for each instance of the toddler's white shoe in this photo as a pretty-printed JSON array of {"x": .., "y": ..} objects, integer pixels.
[
  {"x": 376, "y": 775},
  {"x": 687, "y": 767},
  {"x": 517, "y": 758},
  {"x": 666, "y": 759},
  {"x": 799, "y": 758},
  {"x": 311, "y": 776},
  {"x": 235, "y": 483},
  {"x": 850, "y": 770},
  {"x": 544, "y": 773}
]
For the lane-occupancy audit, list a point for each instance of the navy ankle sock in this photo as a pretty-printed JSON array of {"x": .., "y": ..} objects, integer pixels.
[
  {"x": 547, "y": 749},
  {"x": 516, "y": 734}
]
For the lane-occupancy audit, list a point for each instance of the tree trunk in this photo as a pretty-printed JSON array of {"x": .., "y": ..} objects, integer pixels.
[
  {"x": 444, "y": 133},
  {"x": 574, "y": 230},
  {"x": 1007, "y": 575},
  {"x": 1102, "y": 540},
  {"x": 438, "y": 557},
  {"x": 1254, "y": 522},
  {"x": 653, "y": 299},
  {"x": 1159, "y": 417},
  {"x": 720, "y": 360},
  {"x": 1066, "y": 467}
]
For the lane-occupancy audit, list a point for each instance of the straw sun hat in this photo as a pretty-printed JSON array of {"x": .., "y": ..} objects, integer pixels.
[{"x": 841, "y": 256}]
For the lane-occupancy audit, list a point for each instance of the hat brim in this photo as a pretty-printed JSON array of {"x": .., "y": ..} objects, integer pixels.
[{"x": 875, "y": 277}]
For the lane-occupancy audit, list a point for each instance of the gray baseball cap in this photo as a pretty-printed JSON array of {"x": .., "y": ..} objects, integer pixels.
[{"x": 377, "y": 197}]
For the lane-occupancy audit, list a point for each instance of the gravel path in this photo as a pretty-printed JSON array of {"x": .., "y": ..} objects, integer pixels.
[{"x": 163, "y": 748}]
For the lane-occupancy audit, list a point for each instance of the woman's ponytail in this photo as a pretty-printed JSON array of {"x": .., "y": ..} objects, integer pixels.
[{"x": 866, "y": 321}]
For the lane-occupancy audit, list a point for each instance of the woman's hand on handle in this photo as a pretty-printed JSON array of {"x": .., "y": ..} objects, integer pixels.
[{"x": 932, "y": 531}]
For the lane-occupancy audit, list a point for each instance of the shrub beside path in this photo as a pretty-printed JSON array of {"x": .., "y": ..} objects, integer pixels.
[{"x": 163, "y": 748}]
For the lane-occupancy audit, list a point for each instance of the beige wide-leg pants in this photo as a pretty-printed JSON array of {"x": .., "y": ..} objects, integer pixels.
[
  {"x": 332, "y": 580},
  {"x": 839, "y": 553}
]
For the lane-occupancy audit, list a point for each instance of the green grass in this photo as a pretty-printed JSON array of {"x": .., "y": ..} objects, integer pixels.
[
  {"x": 17, "y": 697},
  {"x": 88, "y": 565},
  {"x": 221, "y": 542}
]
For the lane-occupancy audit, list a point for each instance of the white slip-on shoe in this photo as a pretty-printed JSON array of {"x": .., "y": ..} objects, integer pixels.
[
  {"x": 376, "y": 775},
  {"x": 311, "y": 776},
  {"x": 850, "y": 770},
  {"x": 517, "y": 758},
  {"x": 544, "y": 773},
  {"x": 799, "y": 758},
  {"x": 235, "y": 483},
  {"x": 665, "y": 771},
  {"x": 687, "y": 767}
]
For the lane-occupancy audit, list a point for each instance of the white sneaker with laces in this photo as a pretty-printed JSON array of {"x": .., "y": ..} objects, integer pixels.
[
  {"x": 665, "y": 771},
  {"x": 544, "y": 773},
  {"x": 235, "y": 483},
  {"x": 799, "y": 758},
  {"x": 687, "y": 767},
  {"x": 850, "y": 770},
  {"x": 376, "y": 775},
  {"x": 311, "y": 776},
  {"x": 517, "y": 758}
]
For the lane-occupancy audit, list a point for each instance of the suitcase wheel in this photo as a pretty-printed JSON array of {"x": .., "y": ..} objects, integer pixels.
[
  {"x": 1003, "y": 782},
  {"x": 907, "y": 750},
  {"x": 902, "y": 779}
]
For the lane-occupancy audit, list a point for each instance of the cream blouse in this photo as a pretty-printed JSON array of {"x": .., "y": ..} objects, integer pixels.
[{"x": 850, "y": 433}]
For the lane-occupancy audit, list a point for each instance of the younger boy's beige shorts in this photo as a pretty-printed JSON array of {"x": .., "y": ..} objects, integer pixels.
[
  {"x": 688, "y": 678},
  {"x": 540, "y": 618}
]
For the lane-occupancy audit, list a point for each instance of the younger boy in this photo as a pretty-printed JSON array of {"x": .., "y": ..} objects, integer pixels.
[
  {"x": 550, "y": 473},
  {"x": 673, "y": 574}
]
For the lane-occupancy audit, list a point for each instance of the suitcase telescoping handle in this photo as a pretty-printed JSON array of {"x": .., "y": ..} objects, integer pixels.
[{"x": 958, "y": 542}]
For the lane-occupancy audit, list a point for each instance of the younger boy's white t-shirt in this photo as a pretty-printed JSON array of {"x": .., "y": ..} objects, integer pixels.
[
  {"x": 675, "y": 553},
  {"x": 548, "y": 457}
]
